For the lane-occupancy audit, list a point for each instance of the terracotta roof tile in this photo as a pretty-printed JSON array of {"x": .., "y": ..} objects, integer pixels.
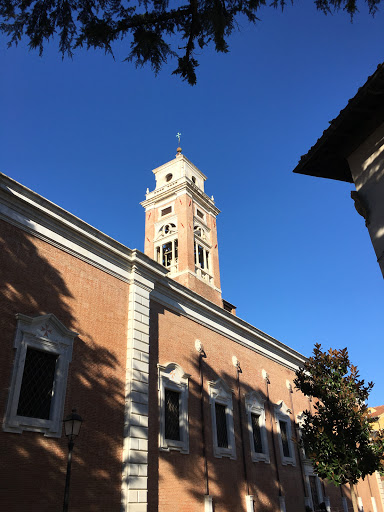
[{"x": 378, "y": 411}]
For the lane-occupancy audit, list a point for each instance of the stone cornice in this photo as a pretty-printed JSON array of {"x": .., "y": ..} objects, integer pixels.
[
  {"x": 176, "y": 297},
  {"x": 182, "y": 184},
  {"x": 174, "y": 161},
  {"x": 32, "y": 213}
]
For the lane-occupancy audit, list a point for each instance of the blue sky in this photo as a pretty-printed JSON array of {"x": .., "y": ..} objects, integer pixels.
[{"x": 295, "y": 257}]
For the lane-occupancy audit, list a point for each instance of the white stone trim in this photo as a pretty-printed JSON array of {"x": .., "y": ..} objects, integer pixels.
[
  {"x": 48, "y": 334},
  {"x": 208, "y": 503},
  {"x": 177, "y": 187},
  {"x": 173, "y": 377},
  {"x": 135, "y": 444},
  {"x": 360, "y": 504},
  {"x": 381, "y": 488},
  {"x": 164, "y": 207},
  {"x": 299, "y": 424},
  {"x": 159, "y": 237},
  {"x": 254, "y": 404},
  {"x": 185, "y": 302},
  {"x": 45, "y": 220},
  {"x": 202, "y": 210},
  {"x": 282, "y": 413},
  {"x": 220, "y": 393},
  {"x": 308, "y": 471},
  {"x": 374, "y": 507},
  {"x": 249, "y": 505}
]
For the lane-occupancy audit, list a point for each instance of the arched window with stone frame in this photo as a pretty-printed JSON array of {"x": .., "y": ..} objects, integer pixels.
[
  {"x": 166, "y": 246},
  {"x": 202, "y": 251}
]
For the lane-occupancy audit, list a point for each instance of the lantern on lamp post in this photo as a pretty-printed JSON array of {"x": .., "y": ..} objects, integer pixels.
[{"x": 72, "y": 424}]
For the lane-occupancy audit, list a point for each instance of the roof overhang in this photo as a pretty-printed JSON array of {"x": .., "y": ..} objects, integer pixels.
[{"x": 328, "y": 158}]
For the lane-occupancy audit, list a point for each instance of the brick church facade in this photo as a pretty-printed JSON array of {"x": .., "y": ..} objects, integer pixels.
[{"x": 187, "y": 407}]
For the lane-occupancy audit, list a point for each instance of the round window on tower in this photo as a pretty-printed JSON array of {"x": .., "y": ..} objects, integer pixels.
[{"x": 168, "y": 177}]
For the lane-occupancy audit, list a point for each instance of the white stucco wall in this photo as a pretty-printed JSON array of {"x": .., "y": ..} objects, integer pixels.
[{"x": 367, "y": 168}]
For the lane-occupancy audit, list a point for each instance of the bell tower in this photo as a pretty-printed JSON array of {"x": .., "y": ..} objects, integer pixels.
[{"x": 180, "y": 227}]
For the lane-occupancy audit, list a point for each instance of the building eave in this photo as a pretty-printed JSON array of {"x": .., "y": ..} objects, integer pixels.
[{"x": 364, "y": 113}]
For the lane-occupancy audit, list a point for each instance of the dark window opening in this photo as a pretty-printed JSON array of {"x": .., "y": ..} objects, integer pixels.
[
  {"x": 314, "y": 493},
  {"x": 257, "y": 444},
  {"x": 172, "y": 412},
  {"x": 221, "y": 426},
  {"x": 37, "y": 385},
  {"x": 207, "y": 259},
  {"x": 166, "y": 211},
  {"x": 193, "y": 179},
  {"x": 200, "y": 214},
  {"x": 284, "y": 438},
  {"x": 176, "y": 250},
  {"x": 167, "y": 254},
  {"x": 168, "y": 177},
  {"x": 200, "y": 256}
]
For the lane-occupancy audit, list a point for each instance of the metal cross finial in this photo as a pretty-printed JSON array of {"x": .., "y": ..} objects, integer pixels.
[{"x": 178, "y": 135}]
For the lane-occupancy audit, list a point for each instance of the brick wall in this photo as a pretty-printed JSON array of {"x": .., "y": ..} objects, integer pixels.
[
  {"x": 176, "y": 481},
  {"x": 37, "y": 278}
]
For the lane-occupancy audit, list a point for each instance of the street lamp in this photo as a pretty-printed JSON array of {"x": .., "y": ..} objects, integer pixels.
[{"x": 72, "y": 424}]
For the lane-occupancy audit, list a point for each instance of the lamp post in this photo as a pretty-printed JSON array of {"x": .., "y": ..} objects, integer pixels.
[{"x": 72, "y": 424}]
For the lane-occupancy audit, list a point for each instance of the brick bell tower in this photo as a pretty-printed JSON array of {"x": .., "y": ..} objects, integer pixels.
[{"x": 180, "y": 227}]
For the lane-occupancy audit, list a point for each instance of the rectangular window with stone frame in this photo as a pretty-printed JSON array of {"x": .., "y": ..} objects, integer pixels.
[
  {"x": 222, "y": 419},
  {"x": 43, "y": 351},
  {"x": 284, "y": 433},
  {"x": 173, "y": 405},
  {"x": 254, "y": 405}
]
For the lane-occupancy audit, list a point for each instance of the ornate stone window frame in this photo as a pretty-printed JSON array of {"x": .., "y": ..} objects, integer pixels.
[
  {"x": 173, "y": 377},
  {"x": 282, "y": 413},
  {"x": 205, "y": 235},
  {"x": 47, "y": 334},
  {"x": 308, "y": 472},
  {"x": 220, "y": 393},
  {"x": 254, "y": 404},
  {"x": 162, "y": 238},
  {"x": 300, "y": 420}
]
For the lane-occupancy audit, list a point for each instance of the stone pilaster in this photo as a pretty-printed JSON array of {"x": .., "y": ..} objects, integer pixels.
[{"x": 135, "y": 450}]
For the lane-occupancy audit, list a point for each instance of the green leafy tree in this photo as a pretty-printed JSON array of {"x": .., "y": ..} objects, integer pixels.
[
  {"x": 338, "y": 436},
  {"x": 148, "y": 26}
]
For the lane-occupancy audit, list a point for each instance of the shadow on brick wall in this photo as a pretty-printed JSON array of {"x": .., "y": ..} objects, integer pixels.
[
  {"x": 177, "y": 481},
  {"x": 33, "y": 467}
]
